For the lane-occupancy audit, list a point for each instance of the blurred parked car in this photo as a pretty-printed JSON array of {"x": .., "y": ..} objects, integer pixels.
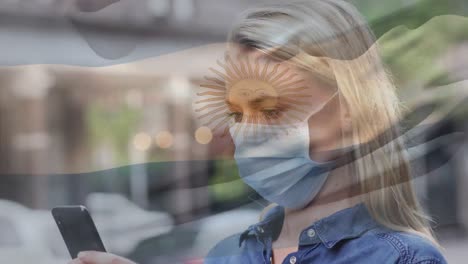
[
  {"x": 31, "y": 236},
  {"x": 190, "y": 242},
  {"x": 122, "y": 224},
  {"x": 26, "y": 236}
]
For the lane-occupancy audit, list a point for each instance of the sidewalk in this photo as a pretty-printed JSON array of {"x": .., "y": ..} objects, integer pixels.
[
  {"x": 455, "y": 244},
  {"x": 456, "y": 251}
]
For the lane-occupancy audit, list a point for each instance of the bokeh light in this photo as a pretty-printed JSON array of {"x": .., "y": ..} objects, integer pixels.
[
  {"x": 203, "y": 135},
  {"x": 164, "y": 139},
  {"x": 142, "y": 141}
]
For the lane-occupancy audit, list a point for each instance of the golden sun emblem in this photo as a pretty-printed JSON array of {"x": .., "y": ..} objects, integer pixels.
[{"x": 251, "y": 93}]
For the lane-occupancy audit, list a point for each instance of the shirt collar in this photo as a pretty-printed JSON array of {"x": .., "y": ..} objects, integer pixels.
[
  {"x": 345, "y": 224},
  {"x": 269, "y": 227}
]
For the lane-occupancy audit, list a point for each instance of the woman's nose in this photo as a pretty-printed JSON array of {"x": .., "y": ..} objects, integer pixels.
[{"x": 223, "y": 145}]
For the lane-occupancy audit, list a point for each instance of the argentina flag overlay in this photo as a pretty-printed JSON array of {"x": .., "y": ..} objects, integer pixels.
[{"x": 129, "y": 108}]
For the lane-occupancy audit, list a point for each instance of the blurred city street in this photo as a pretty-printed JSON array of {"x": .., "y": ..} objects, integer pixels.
[{"x": 99, "y": 107}]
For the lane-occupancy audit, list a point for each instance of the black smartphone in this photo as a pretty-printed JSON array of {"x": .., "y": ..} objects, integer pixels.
[{"x": 77, "y": 229}]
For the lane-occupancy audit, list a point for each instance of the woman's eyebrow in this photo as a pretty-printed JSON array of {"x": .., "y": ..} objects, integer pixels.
[
  {"x": 228, "y": 103},
  {"x": 257, "y": 101},
  {"x": 253, "y": 102},
  {"x": 231, "y": 105}
]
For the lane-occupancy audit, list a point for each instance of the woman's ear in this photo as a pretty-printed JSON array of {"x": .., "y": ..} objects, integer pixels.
[{"x": 346, "y": 120}]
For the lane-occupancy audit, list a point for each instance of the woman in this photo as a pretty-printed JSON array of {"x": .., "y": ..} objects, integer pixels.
[{"x": 334, "y": 167}]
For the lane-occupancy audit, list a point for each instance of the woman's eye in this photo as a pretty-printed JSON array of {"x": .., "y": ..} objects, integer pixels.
[
  {"x": 271, "y": 113},
  {"x": 236, "y": 115}
]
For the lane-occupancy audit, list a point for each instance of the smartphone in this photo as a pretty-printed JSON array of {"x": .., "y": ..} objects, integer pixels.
[{"x": 77, "y": 229}]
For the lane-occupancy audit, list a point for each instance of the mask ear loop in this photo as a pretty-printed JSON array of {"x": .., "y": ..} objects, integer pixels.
[
  {"x": 306, "y": 126},
  {"x": 322, "y": 106}
]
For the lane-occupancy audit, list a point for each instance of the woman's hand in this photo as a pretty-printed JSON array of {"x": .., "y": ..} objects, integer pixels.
[{"x": 94, "y": 257}]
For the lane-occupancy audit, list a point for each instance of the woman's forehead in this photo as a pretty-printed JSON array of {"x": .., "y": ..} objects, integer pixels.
[
  {"x": 262, "y": 56},
  {"x": 239, "y": 53}
]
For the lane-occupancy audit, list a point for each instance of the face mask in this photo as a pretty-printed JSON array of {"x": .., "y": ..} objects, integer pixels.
[{"x": 274, "y": 161}]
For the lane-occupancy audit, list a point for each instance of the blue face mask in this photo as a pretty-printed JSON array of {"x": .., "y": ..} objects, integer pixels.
[{"x": 274, "y": 161}]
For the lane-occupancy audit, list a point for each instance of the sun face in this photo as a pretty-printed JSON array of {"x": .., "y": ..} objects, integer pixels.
[{"x": 253, "y": 93}]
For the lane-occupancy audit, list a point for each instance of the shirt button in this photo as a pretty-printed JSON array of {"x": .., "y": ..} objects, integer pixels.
[
  {"x": 292, "y": 260},
  {"x": 260, "y": 229},
  {"x": 311, "y": 232}
]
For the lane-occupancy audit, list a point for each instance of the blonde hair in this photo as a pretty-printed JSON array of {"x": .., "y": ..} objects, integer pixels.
[{"x": 333, "y": 41}]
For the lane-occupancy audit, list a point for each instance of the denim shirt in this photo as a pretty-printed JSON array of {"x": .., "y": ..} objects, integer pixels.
[{"x": 347, "y": 236}]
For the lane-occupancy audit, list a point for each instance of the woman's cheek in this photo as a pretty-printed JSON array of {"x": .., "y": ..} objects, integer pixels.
[{"x": 222, "y": 146}]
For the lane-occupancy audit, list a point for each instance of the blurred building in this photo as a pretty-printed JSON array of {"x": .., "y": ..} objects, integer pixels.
[{"x": 49, "y": 134}]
